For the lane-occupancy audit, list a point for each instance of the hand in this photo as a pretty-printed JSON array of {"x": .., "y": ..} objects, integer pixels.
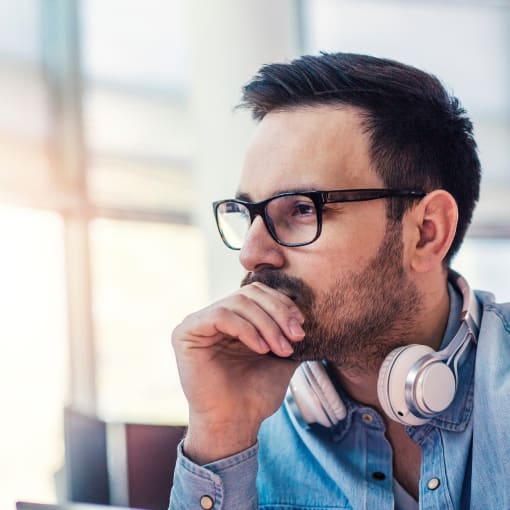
[{"x": 229, "y": 381}]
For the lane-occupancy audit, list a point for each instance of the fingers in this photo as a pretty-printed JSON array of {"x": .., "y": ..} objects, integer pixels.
[
  {"x": 258, "y": 316},
  {"x": 279, "y": 307},
  {"x": 213, "y": 325},
  {"x": 273, "y": 327},
  {"x": 283, "y": 298}
]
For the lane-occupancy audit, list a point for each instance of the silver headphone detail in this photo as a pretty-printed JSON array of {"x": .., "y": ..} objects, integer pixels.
[{"x": 415, "y": 383}]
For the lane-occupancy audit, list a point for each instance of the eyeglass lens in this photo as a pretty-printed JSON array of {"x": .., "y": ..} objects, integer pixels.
[
  {"x": 234, "y": 222},
  {"x": 292, "y": 218}
]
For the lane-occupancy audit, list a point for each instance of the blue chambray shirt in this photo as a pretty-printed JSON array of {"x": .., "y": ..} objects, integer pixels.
[{"x": 466, "y": 449}]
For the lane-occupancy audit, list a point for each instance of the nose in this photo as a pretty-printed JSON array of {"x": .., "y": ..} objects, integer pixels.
[{"x": 260, "y": 250}]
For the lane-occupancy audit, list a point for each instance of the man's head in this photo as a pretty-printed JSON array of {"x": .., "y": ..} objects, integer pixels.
[
  {"x": 419, "y": 136},
  {"x": 338, "y": 122}
]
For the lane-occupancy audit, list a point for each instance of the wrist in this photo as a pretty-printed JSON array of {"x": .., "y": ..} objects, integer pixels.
[{"x": 206, "y": 442}]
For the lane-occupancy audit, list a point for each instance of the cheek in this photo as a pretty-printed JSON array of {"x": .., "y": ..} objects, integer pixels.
[
  {"x": 343, "y": 249},
  {"x": 322, "y": 270},
  {"x": 331, "y": 259}
]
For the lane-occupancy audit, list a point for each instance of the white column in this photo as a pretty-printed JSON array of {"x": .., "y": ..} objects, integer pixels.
[
  {"x": 229, "y": 41},
  {"x": 62, "y": 65}
]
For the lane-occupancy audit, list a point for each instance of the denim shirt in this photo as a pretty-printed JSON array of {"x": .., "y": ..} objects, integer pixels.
[{"x": 465, "y": 450}]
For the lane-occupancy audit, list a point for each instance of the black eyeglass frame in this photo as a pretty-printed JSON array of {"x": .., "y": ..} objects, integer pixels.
[{"x": 319, "y": 198}]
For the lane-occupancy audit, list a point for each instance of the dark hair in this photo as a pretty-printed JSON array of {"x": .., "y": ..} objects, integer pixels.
[{"x": 420, "y": 136}]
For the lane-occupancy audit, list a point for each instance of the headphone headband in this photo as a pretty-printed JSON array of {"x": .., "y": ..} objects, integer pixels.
[{"x": 470, "y": 314}]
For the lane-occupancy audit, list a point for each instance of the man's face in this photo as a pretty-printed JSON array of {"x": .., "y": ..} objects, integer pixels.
[{"x": 351, "y": 283}]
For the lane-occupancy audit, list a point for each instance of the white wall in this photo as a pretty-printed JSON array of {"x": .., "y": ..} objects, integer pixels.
[{"x": 229, "y": 41}]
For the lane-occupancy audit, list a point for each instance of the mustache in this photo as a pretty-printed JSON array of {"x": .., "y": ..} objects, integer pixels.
[{"x": 293, "y": 287}]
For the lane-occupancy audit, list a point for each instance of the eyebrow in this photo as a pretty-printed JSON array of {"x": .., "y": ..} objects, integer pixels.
[
  {"x": 247, "y": 197},
  {"x": 243, "y": 196}
]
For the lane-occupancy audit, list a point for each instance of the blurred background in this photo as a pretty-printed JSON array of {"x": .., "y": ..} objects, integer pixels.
[{"x": 117, "y": 130}]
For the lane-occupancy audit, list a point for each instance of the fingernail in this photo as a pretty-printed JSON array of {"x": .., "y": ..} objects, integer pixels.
[
  {"x": 263, "y": 345},
  {"x": 286, "y": 347},
  {"x": 295, "y": 328}
]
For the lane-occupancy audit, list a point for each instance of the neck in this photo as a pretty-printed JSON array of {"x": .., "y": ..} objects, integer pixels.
[{"x": 429, "y": 329}]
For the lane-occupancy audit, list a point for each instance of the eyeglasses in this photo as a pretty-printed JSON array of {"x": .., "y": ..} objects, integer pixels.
[{"x": 293, "y": 218}]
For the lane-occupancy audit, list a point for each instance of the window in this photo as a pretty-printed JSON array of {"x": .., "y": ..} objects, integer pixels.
[
  {"x": 146, "y": 257},
  {"x": 96, "y": 196},
  {"x": 465, "y": 45},
  {"x": 33, "y": 366},
  {"x": 146, "y": 277}
]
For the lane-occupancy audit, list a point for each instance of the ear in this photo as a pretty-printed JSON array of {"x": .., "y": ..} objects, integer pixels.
[{"x": 433, "y": 224}]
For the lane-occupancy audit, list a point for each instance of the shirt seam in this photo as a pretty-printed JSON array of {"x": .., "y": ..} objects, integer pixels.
[
  {"x": 495, "y": 309},
  {"x": 198, "y": 471},
  {"x": 444, "y": 474},
  {"x": 234, "y": 461}
]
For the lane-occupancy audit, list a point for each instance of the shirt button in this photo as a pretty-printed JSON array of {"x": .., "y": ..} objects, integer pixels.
[
  {"x": 434, "y": 483},
  {"x": 206, "y": 502},
  {"x": 367, "y": 418},
  {"x": 378, "y": 476}
]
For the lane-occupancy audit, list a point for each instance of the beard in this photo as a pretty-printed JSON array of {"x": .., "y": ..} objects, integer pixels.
[{"x": 362, "y": 317}]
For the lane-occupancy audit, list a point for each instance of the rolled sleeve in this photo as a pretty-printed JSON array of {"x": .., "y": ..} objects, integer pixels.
[{"x": 227, "y": 484}]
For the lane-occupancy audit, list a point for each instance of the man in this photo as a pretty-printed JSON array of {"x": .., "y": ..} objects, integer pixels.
[{"x": 356, "y": 191}]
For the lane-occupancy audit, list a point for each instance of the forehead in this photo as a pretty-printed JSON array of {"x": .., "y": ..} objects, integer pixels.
[{"x": 322, "y": 147}]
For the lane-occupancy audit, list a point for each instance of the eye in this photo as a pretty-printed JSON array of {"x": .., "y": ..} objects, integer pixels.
[
  {"x": 232, "y": 207},
  {"x": 303, "y": 209}
]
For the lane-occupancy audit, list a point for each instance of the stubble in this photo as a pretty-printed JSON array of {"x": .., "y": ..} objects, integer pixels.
[{"x": 362, "y": 316}]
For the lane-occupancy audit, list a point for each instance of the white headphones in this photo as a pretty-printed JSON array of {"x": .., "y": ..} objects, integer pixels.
[{"x": 415, "y": 382}]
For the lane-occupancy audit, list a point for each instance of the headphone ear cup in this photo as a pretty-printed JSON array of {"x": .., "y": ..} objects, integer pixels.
[
  {"x": 434, "y": 388},
  {"x": 391, "y": 383},
  {"x": 314, "y": 397},
  {"x": 326, "y": 392}
]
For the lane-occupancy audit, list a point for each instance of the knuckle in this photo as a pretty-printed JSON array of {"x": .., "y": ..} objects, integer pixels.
[
  {"x": 258, "y": 285},
  {"x": 285, "y": 308},
  {"x": 177, "y": 339},
  {"x": 280, "y": 311},
  {"x": 243, "y": 299},
  {"x": 273, "y": 331},
  {"x": 219, "y": 313},
  {"x": 247, "y": 330},
  {"x": 176, "y": 333}
]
